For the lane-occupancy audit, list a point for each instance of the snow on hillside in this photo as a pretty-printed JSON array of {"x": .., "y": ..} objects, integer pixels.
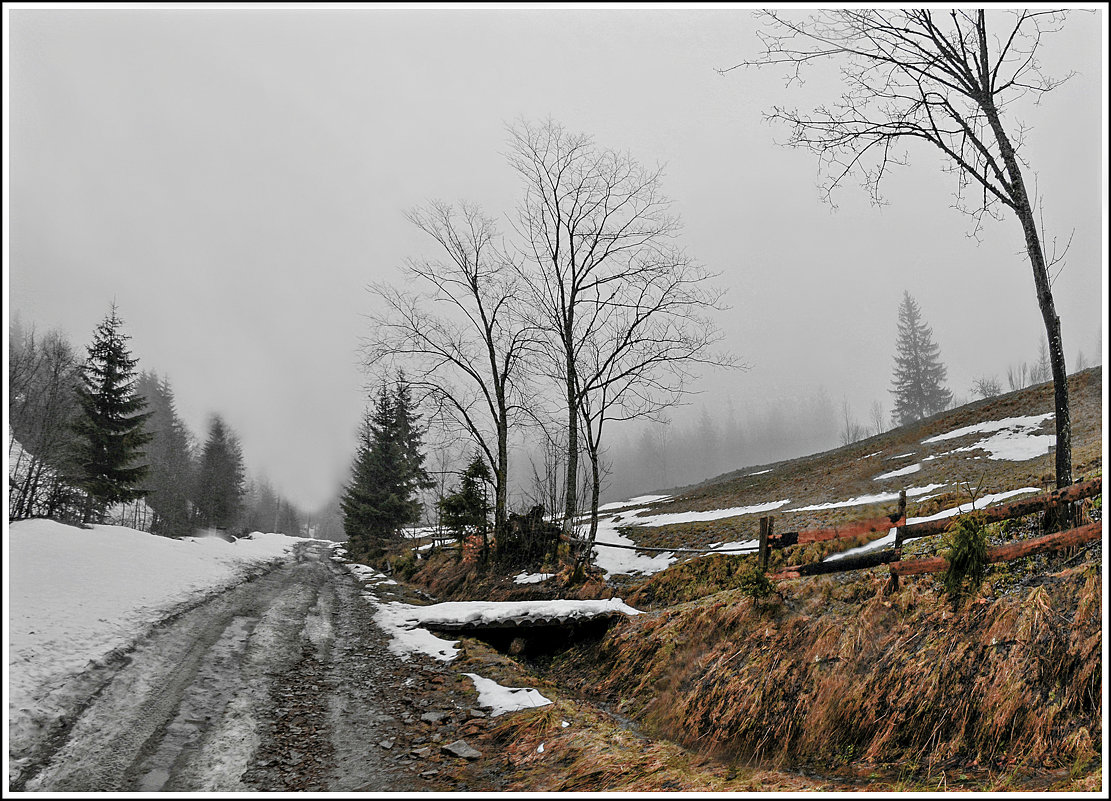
[
  {"x": 75, "y": 595},
  {"x": 1011, "y": 439}
]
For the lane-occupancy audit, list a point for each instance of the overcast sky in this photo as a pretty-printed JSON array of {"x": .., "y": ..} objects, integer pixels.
[{"x": 235, "y": 178}]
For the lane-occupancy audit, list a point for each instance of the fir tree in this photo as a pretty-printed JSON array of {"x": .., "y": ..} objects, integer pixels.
[
  {"x": 410, "y": 442},
  {"x": 170, "y": 455},
  {"x": 467, "y": 510},
  {"x": 919, "y": 380},
  {"x": 220, "y": 478},
  {"x": 387, "y": 473},
  {"x": 110, "y": 428}
]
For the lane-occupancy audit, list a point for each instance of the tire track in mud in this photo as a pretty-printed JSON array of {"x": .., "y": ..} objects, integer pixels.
[
  {"x": 181, "y": 712},
  {"x": 281, "y": 683}
]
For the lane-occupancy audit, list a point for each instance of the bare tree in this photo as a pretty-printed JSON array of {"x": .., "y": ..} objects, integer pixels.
[
  {"x": 879, "y": 417},
  {"x": 1017, "y": 376},
  {"x": 851, "y": 431},
  {"x": 42, "y": 406},
  {"x": 945, "y": 78},
  {"x": 605, "y": 277},
  {"x": 466, "y": 356},
  {"x": 986, "y": 387},
  {"x": 1041, "y": 371},
  {"x": 639, "y": 360}
]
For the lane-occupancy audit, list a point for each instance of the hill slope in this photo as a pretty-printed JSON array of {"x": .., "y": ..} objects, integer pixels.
[{"x": 947, "y": 455}]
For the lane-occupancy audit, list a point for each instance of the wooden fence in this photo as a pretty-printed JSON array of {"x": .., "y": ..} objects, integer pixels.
[{"x": 904, "y": 533}]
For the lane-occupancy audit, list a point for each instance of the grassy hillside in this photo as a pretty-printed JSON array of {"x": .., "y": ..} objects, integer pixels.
[{"x": 851, "y": 471}]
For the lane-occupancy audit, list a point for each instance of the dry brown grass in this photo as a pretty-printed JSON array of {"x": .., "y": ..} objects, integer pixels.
[{"x": 844, "y": 673}]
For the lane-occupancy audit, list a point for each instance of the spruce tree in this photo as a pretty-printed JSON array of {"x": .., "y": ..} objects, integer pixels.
[
  {"x": 919, "y": 379},
  {"x": 467, "y": 510},
  {"x": 170, "y": 455},
  {"x": 220, "y": 478},
  {"x": 410, "y": 442},
  {"x": 110, "y": 427},
  {"x": 388, "y": 471}
]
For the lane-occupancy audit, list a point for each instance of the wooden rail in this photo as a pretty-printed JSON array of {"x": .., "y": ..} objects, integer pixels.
[
  {"x": 1005, "y": 553},
  {"x": 994, "y": 514},
  {"x": 937, "y": 564}
]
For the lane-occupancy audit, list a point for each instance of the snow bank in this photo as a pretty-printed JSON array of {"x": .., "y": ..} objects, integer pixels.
[
  {"x": 500, "y": 700},
  {"x": 640, "y": 499},
  {"x": 531, "y": 578},
  {"x": 402, "y": 621},
  {"x": 742, "y": 546},
  {"x": 396, "y": 619},
  {"x": 76, "y": 594}
]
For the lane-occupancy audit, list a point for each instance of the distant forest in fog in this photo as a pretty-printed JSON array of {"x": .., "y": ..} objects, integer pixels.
[{"x": 663, "y": 456}]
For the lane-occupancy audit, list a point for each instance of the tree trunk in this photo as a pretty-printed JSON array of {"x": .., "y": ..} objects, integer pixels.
[
  {"x": 501, "y": 479},
  {"x": 570, "y": 500},
  {"x": 1025, "y": 213}
]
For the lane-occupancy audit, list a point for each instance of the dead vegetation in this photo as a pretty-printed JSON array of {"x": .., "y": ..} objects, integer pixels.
[{"x": 842, "y": 674}]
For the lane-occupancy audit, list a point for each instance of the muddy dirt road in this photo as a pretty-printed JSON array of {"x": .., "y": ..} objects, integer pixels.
[{"x": 281, "y": 683}]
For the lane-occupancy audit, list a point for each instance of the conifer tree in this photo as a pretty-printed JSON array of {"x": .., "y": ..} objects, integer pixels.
[
  {"x": 919, "y": 380},
  {"x": 388, "y": 471},
  {"x": 170, "y": 455},
  {"x": 110, "y": 431},
  {"x": 220, "y": 477},
  {"x": 467, "y": 510}
]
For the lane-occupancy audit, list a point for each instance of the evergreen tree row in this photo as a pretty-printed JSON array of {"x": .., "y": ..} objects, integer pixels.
[{"x": 96, "y": 435}]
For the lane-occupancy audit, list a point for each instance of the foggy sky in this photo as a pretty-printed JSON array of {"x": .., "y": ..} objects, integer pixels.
[{"x": 235, "y": 178}]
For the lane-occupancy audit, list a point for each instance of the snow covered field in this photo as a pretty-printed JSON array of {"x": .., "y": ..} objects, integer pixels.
[{"x": 75, "y": 595}]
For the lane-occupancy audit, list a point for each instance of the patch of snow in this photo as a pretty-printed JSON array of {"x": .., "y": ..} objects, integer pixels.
[
  {"x": 869, "y": 456},
  {"x": 882, "y": 497},
  {"x": 1012, "y": 439},
  {"x": 487, "y": 612},
  {"x": 742, "y": 546},
  {"x": 901, "y": 455},
  {"x": 564, "y": 724},
  {"x": 638, "y": 500},
  {"x": 531, "y": 578},
  {"x": 980, "y": 504},
  {"x": 712, "y": 514},
  {"x": 500, "y": 700},
  {"x": 396, "y": 620},
  {"x": 540, "y": 748},
  {"x": 757, "y": 473},
  {"x": 621, "y": 560},
  {"x": 904, "y": 471}
]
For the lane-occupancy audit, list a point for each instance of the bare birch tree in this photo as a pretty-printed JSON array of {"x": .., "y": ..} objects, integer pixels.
[
  {"x": 604, "y": 276},
  {"x": 949, "y": 79},
  {"x": 462, "y": 333}
]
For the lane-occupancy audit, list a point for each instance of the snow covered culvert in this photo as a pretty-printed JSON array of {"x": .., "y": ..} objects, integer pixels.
[{"x": 518, "y": 627}]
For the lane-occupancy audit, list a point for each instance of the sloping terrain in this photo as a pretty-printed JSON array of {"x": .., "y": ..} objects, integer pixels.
[
  {"x": 909, "y": 457},
  {"x": 841, "y": 676}
]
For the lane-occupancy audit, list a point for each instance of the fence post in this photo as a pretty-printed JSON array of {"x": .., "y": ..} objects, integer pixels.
[
  {"x": 762, "y": 557},
  {"x": 900, "y": 530}
]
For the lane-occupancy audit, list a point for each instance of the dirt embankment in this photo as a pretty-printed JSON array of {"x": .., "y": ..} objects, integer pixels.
[{"x": 841, "y": 673}]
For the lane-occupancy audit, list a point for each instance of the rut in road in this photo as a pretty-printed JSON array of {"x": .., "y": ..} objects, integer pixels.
[{"x": 201, "y": 696}]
